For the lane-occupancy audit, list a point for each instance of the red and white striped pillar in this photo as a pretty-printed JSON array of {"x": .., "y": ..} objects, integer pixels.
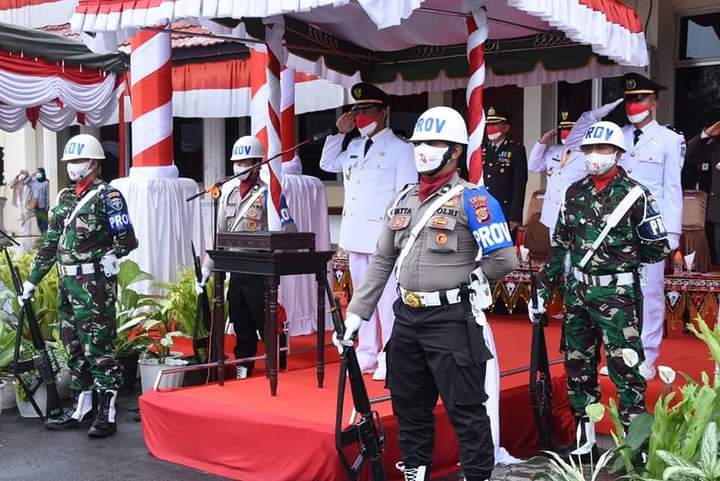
[
  {"x": 287, "y": 113},
  {"x": 151, "y": 94},
  {"x": 478, "y": 33},
  {"x": 265, "y": 116}
]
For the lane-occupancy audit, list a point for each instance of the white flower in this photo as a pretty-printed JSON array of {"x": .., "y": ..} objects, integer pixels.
[
  {"x": 630, "y": 357},
  {"x": 667, "y": 374},
  {"x": 166, "y": 341}
]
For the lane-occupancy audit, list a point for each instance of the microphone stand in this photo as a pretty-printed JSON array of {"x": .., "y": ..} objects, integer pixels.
[{"x": 216, "y": 346}]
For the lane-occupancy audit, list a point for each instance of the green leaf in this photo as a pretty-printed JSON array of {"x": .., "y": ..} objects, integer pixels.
[
  {"x": 639, "y": 431},
  {"x": 683, "y": 472},
  {"x": 673, "y": 460},
  {"x": 709, "y": 448}
]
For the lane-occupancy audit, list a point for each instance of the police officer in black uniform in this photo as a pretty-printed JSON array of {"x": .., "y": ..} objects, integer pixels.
[{"x": 505, "y": 169}]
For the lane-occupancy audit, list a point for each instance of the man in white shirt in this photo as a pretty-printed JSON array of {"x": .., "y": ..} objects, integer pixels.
[{"x": 375, "y": 166}]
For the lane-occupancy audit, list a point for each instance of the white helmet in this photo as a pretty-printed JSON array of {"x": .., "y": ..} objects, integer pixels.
[
  {"x": 604, "y": 133},
  {"x": 247, "y": 147},
  {"x": 440, "y": 123},
  {"x": 81, "y": 147}
]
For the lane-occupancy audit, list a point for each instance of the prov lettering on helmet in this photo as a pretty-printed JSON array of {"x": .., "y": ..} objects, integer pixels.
[
  {"x": 74, "y": 148},
  {"x": 430, "y": 124},
  {"x": 598, "y": 132},
  {"x": 242, "y": 150},
  {"x": 116, "y": 212}
]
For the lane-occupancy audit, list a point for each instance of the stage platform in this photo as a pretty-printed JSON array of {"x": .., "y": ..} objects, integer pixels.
[{"x": 240, "y": 432}]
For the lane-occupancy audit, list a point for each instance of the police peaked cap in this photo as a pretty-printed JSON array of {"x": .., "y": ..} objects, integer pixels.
[
  {"x": 566, "y": 120},
  {"x": 496, "y": 116},
  {"x": 367, "y": 95},
  {"x": 636, "y": 84}
]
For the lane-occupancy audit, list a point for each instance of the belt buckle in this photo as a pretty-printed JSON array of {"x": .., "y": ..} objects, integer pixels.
[{"x": 412, "y": 299}]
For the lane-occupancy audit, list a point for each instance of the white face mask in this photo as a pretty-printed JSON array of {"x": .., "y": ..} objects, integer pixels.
[
  {"x": 637, "y": 118},
  {"x": 495, "y": 136},
  {"x": 429, "y": 158},
  {"x": 237, "y": 168},
  {"x": 598, "y": 164},
  {"x": 79, "y": 171},
  {"x": 368, "y": 129}
]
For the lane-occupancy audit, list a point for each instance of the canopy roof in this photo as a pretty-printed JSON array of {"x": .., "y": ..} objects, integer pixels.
[{"x": 612, "y": 28}]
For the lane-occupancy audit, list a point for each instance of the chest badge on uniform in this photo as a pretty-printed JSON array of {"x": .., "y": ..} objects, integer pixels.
[
  {"x": 441, "y": 239},
  {"x": 439, "y": 221},
  {"x": 251, "y": 214},
  {"x": 479, "y": 204},
  {"x": 452, "y": 202},
  {"x": 398, "y": 222},
  {"x": 251, "y": 225}
]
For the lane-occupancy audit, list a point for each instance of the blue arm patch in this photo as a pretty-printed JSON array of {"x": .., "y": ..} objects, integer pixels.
[
  {"x": 285, "y": 217},
  {"x": 486, "y": 220},
  {"x": 116, "y": 212}
]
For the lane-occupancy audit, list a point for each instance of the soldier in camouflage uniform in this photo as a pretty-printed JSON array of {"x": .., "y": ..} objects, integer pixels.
[
  {"x": 603, "y": 296},
  {"x": 89, "y": 229}
]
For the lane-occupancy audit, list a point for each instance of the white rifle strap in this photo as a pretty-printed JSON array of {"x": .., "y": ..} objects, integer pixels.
[
  {"x": 612, "y": 221},
  {"x": 245, "y": 208},
  {"x": 421, "y": 224},
  {"x": 82, "y": 203}
]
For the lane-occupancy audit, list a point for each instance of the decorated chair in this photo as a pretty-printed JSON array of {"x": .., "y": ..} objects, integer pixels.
[
  {"x": 693, "y": 237},
  {"x": 536, "y": 237}
]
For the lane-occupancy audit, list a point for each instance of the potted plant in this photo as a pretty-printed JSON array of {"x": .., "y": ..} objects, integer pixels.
[
  {"x": 133, "y": 309},
  {"x": 158, "y": 355}
]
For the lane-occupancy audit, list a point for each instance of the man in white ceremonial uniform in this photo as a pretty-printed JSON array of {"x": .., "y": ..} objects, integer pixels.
[
  {"x": 375, "y": 166},
  {"x": 655, "y": 158},
  {"x": 562, "y": 165}
]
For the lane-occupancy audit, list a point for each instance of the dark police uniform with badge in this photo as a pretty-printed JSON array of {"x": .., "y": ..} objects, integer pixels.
[
  {"x": 436, "y": 346},
  {"x": 703, "y": 154},
  {"x": 505, "y": 170}
]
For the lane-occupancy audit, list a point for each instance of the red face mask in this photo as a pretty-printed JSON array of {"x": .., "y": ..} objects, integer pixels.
[
  {"x": 564, "y": 134},
  {"x": 363, "y": 120},
  {"x": 494, "y": 129},
  {"x": 634, "y": 108}
]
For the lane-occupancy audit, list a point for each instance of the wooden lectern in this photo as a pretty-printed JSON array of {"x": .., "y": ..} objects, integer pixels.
[{"x": 271, "y": 255}]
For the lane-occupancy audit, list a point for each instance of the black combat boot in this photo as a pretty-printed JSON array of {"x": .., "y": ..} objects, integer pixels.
[
  {"x": 80, "y": 415},
  {"x": 104, "y": 424}
]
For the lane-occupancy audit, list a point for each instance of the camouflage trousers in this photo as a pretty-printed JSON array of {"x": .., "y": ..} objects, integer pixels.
[
  {"x": 606, "y": 315},
  {"x": 87, "y": 316}
]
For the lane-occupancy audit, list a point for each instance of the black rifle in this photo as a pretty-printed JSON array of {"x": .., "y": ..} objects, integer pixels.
[
  {"x": 42, "y": 364},
  {"x": 540, "y": 386},
  {"x": 202, "y": 315},
  {"x": 367, "y": 433}
]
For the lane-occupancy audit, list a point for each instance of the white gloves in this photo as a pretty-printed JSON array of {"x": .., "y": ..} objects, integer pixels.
[
  {"x": 200, "y": 286},
  {"x": 110, "y": 264},
  {"x": 673, "y": 240},
  {"x": 352, "y": 325},
  {"x": 604, "y": 110},
  {"x": 28, "y": 291},
  {"x": 534, "y": 312}
]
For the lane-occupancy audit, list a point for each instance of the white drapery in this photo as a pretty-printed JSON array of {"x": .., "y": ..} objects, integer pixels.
[
  {"x": 306, "y": 200},
  {"x": 59, "y": 100}
]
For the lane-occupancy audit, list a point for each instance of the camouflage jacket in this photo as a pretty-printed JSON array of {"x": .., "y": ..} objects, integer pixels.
[
  {"x": 639, "y": 237},
  {"x": 100, "y": 225}
]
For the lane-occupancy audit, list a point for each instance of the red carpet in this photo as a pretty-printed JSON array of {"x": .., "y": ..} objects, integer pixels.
[{"x": 240, "y": 432}]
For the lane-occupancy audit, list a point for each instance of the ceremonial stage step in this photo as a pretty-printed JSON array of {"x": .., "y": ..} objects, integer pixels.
[{"x": 240, "y": 432}]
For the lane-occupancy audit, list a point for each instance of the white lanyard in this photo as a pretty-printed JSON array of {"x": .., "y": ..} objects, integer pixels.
[{"x": 421, "y": 224}]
